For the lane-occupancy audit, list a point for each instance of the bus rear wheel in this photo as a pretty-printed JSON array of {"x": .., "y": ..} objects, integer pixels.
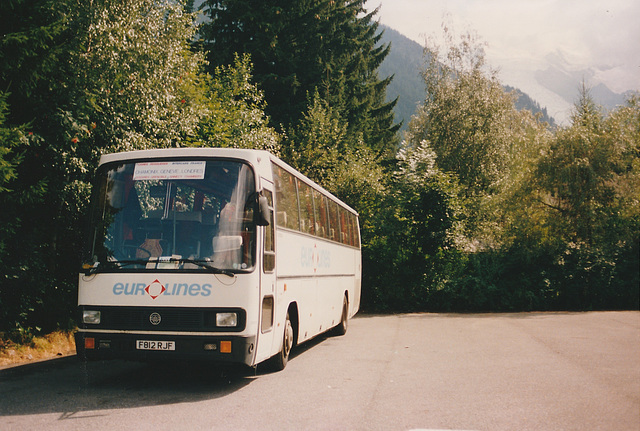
[{"x": 341, "y": 329}]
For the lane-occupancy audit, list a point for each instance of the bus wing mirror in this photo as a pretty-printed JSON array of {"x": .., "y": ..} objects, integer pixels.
[{"x": 263, "y": 215}]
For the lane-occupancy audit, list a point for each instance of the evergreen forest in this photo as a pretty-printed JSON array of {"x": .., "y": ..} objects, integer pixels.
[{"x": 475, "y": 206}]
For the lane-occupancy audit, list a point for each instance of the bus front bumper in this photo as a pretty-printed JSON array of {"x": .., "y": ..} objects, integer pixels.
[{"x": 224, "y": 348}]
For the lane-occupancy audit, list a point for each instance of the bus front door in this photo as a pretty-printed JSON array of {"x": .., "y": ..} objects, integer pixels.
[{"x": 268, "y": 326}]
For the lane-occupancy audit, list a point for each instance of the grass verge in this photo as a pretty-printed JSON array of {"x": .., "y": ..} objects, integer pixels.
[{"x": 59, "y": 343}]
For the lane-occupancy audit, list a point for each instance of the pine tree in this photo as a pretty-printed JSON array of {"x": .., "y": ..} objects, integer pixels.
[
  {"x": 303, "y": 47},
  {"x": 34, "y": 38},
  {"x": 353, "y": 71},
  {"x": 33, "y": 75}
]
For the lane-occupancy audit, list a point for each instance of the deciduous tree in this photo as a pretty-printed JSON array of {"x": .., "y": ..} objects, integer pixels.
[{"x": 235, "y": 111}]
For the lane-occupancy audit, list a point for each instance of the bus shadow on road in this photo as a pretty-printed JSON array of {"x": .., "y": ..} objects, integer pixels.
[
  {"x": 76, "y": 389},
  {"x": 266, "y": 367},
  {"x": 71, "y": 386}
]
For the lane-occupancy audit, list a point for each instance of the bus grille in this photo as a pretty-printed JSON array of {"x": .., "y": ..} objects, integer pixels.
[{"x": 170, "y": 319}]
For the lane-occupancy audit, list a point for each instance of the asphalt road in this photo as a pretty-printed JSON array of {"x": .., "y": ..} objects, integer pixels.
[{"x": 531, "y": 371}]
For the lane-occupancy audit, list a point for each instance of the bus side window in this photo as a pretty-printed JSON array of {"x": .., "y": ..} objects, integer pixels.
[
  {"x": 322, "y": 222},
  {"x": 307, "y": 220},
  {"x": 356, "y": 231},
  {"x": 269, "y": 240},
  {"x": 344, "y": 227},
  {"x": 334, "y": 224},
  {"x": 267, "y": 314},
  {"x": 286, "y": 198},
  {"x": 352, "y": 229}
]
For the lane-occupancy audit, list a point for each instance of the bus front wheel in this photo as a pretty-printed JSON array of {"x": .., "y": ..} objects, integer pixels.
[{"x": 281, "y": 359}]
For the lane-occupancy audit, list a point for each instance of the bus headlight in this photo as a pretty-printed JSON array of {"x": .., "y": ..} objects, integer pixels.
[
  {"x": 91, "y": 317},
  {"x": 226, "y": 320}
]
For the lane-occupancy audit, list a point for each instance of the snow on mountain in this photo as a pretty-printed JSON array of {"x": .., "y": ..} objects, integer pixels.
[{"x": 555, "y": 83}]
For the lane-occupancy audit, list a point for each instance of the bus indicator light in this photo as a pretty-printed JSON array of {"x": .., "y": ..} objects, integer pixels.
[
  {"x": 89, "y": 343},
  {"x": 225, "y": 346}
]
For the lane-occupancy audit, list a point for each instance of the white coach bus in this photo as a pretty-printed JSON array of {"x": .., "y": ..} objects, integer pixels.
[{"x": 217, "y": 254}]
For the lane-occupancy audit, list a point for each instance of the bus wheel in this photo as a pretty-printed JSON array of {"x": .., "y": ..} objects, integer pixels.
[
  {"x": 281, "y": 359},
  {"x": 341, "y": 329}
]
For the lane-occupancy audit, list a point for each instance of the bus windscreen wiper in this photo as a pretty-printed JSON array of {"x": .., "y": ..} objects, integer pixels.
[
  {"x": 111, "y": 264},
  {"x": 115, "y": 264},
  {"x": 202, "y": 263}
]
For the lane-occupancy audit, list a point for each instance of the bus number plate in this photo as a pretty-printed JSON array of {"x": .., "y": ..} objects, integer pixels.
[{"x": 155, "y": 345}]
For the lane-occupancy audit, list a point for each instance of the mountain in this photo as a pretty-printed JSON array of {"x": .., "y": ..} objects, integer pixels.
[
  {"x": 551, "y": 87},
  {"x": 555, "y": 81},
  {"x": 405, "y": 63},
  {"x": 523, "y": 101},
  {"x": 562, "y": 79}
]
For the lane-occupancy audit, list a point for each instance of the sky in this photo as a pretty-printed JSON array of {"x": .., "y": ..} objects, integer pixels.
[{"x": 529, "y": 34}]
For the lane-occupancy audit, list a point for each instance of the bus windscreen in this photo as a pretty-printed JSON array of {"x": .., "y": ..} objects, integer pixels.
[{"x": 193, "y": 214}]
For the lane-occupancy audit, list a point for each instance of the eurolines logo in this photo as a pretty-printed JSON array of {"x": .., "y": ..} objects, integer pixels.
[{"x": 156, "y": 289}]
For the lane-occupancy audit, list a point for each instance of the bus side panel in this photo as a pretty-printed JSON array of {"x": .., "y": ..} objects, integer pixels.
[
  {"x": 301, "y": 255},
  {"x": 316, "y": 274},
  {"x": 354, "y": 300}
]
